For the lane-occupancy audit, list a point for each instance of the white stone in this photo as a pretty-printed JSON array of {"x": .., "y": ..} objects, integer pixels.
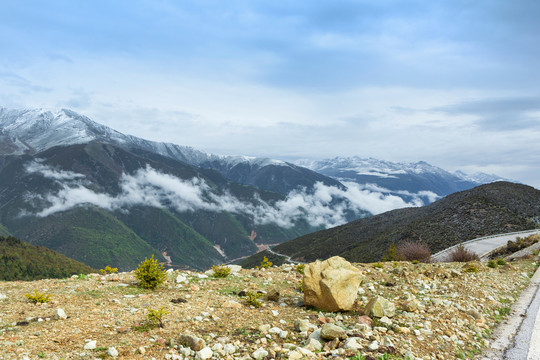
[
  {"x": 202, "y": 276},
  {"x": 181, "y": 279},
  {"x": 112, "y": 352},
  {"x": 2, "y": 297},
  {"x": 229, "y": 348},
  {"x": 352, "y": 344},
  {"x": 260, "y": 353},
  {"x": 275, "y": 312},
  {"x": 204, "y": 353},
  {"x": 386, "y": 321},
  {"x": 60, "y": 314},
  {"x": 275, "y": 330},
  {"x": 373, "y": 346},
  {"x": 90, "y": 345},
  {"x": 313, "y": 345},
  {"x": 295, "y": 355}
]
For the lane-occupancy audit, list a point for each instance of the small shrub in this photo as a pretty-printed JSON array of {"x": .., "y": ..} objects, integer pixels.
[
  {"x": 252, "y": 299},
  {"x": 82, "y": 277},
  {"x": 156, "y": 317},
  {"x": 150, "y": 273},
  {"x": 492, "y": 264},
  {"x": 500, "y": 261},
  {"x": 378, "y": 265},
  {"x": 300, "y": 268},
  {"x": 36, "y": 297},
  {"x": 221, "y": 271},
  {"x": 265, "y": 263},
  {"x": 536, "y": 252},
  {"x": 414, "y": 262},
  {"x": 300, "y": 287},
  {"x": 108, "y": 270},
  {"x": 413, "y": 250},
  {"x": 471, "y": 268},
  {"x": 462, "y": 254}
]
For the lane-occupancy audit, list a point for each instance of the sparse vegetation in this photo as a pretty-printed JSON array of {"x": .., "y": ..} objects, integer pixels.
[
  {"x": 37, "y": 297},
  {"x": 156, "y": 317},
  {"x": 471, "y": 267},
  {"x": 413, "y": 250},
  {"x": 378, "y": 265},
  {"x": 518, "y": 244},
  {"x": 150, "y": 273},
  {"x": 300, "y": 268},
  {"x": 221, "y": 271},
  {"x": 252, "y": 299},
  {"x": 462, "y": 254},
  {"x": 108, "y": 270},
  {"x": 500, "y": 261},
  {"x": 265, "y": 263},
  {"x": 492, "y": 264}
]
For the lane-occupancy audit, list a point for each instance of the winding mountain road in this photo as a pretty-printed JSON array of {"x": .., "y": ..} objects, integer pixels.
[{"x": 484, "y": 245}]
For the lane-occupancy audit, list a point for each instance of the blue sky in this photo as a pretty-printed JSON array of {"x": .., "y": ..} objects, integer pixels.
[{"x": 454, "y": 83}]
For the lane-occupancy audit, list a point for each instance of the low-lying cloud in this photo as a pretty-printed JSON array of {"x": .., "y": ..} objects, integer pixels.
[{"x": 321, "y": 206}]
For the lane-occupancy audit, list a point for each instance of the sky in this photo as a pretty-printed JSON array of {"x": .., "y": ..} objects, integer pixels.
[{"x": 454, "y": 83}]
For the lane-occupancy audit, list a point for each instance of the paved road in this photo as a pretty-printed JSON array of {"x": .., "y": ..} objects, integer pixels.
[{"x": 483, "y": 246}]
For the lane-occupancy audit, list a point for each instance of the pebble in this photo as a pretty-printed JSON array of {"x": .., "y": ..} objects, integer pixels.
[
  {"x": 204, "y": 353},
  {"x": 90, "y": 345},
  {"x": 260, "y": 353},
  {"x": 60, "y": 314},
  {"x": 112, "y": 352}
]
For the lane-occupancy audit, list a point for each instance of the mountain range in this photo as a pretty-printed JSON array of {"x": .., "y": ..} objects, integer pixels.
[{"x": 105, "y": 198}]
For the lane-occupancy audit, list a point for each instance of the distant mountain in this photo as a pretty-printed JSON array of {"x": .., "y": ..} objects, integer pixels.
[
  {"x": 494, "y": 208},
  {"x": 31, "y": 131},
  {"x": 22, "y": 261},
  {"x": 103, "y": 205},
  {"x": 406, "y": 180}
]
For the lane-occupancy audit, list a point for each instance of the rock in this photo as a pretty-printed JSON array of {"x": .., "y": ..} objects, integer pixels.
[
  {"x": 229, "y": 348},
  {"x": 385, "y": 321},
  {"x": 272, "y": 294},
  {"x": 91, "y": 345},
  {"x": 313, "y": 345},
  {"x": 180, "y": 279},
  {"x": 259, "y": 354},
  {"x": 112, "y": 352},
  {"x": 193, "y": 342},
  {"x": 331, "y": 285},
  {"x": 379, "y": 307},
  {"x": 263, "y": 329},
  {"x": 387, "y": 342},
  {"x": 316, "y": 335},
  {"x": 374, "y": 346},
  {"x": 232, "y": 304},
  {"x": 331, "y": 332},
  {"x": 234, "y": 268},
  {"x": 475, "y": 314},
  {"x": 60, "y": 314},
  {"x": 365, "y": 320},
  {"x": 301, "y": 325},
  {"x": 204, "y": 353},
  {"x": 2, "y": 296},
  {"x": 410, "y": 306},
  {"x": 295, "y": 355},
  {"x": 352, "y": 344}
]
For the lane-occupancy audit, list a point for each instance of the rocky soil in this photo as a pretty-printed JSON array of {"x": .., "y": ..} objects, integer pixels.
[{"x": 442, "y": 311}]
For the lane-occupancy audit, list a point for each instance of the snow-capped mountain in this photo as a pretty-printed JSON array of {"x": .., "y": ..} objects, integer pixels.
[
  {"x": 399, "y": 179},
  {"x": 34, "y": 130}
]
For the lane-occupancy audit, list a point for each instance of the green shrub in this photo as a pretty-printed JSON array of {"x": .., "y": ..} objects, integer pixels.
[
  {"x": 36, "y": 297},
  {"x": 156, "y": 317},
  {"x": 221, "y": 271},
  {"x": 300, "y": 268},
  {"x": 265, "y": 263},
  {"x": 300, "y": 287},
  {"x": 150, "y": 273},
  {"x": 500, "y": 261},
  {"x": 471, "y": 268},
  {"x": 492, "y": 264},
  {"x": 378, "y": 265},
  {"x": 252, "y": 299},
  {"x": 108, "y": 270}
]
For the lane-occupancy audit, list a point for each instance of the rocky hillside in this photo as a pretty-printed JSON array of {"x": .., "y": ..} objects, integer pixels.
[
  {"x": 495, "y": 208},
  {"x": 442, "y": 311},
  {"x": 22, "y": 261}
]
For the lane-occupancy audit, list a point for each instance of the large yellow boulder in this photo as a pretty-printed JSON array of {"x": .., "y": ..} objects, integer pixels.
[{"x": 331, "y": 285}]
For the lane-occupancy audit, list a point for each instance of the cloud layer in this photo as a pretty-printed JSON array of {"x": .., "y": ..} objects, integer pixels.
[{"x": 321, "y": 206}]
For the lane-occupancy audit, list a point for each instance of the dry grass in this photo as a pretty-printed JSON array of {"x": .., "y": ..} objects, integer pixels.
[
  {"x": 461, "y": 254},
  {"x": 413, "y": 250}
]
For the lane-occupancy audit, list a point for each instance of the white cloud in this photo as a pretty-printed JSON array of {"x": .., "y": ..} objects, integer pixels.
[{"x": 321, "y": 206}]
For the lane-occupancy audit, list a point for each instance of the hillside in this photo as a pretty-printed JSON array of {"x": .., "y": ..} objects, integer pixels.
[
  {"x": 485, "y": 210},
  {"x": 22, "y": 261}
]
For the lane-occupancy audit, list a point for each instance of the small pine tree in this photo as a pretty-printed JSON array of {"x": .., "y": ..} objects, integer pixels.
[{"x": 150, "y": 273}]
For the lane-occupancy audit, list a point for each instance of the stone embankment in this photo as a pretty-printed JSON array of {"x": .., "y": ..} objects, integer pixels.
[{"x": 401, "y": 310}]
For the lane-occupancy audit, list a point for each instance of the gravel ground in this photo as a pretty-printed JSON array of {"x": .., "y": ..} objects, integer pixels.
[{"x": 452, "y": 315}]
